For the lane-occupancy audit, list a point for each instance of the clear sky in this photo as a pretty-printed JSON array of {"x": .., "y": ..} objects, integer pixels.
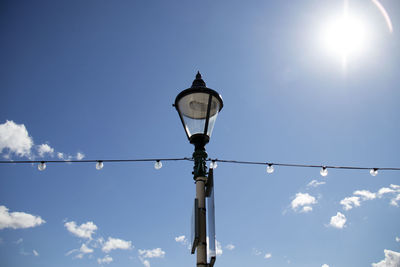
[{"x": 314, "y": 82}]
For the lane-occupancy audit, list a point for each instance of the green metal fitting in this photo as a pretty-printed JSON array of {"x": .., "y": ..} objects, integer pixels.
[{"x": 200, "y": 165}]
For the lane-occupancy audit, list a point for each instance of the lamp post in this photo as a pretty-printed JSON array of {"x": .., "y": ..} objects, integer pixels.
[{"x": 198, "y": 108}]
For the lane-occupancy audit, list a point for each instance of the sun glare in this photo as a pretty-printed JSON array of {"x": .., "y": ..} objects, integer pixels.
[{"x": 344, "y": 36}]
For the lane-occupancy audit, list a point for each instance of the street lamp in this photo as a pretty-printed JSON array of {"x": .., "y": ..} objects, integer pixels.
[{"x": 198, "y": 108}]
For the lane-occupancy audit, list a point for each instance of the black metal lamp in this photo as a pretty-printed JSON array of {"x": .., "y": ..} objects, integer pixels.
[{"x": 198, "y": 108}]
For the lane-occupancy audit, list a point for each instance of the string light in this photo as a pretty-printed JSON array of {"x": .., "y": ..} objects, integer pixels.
[
  {"x": 42, "y": 166},
  {"x": 213, "y": 164},
  {"x": 99, "y": 165},
  {"x": 158, "y": 165},
  {"x": 374, "y": 172},
  {"x": 324, "y": 171},
  {"x": 270, "y": 168}
]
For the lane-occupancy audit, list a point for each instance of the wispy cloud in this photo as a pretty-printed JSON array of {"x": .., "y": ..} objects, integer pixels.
[
  {"x": 256, "y": 252},
  {"x": 16, "y": 220},
  {"x": 360, "y": 196},
  {"x": 315, "y": 183},
  {"x": 230, "y": 247},
  {"x": 268, "y": 256},
  {"x": 365, "y": 194},
  {"x": 106, "y": 260},
  {"x": 302, "y": 202},
  {"x": 385, "y": 190},
  {"x": 35, "y": 253},
  {"x": 84, "y": 230},
  {"x": 394, "y": 201},
  {"x": 338, "y": 221}
]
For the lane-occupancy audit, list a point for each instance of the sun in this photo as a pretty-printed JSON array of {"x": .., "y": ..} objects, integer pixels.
[{"x": 345, "y": 36}]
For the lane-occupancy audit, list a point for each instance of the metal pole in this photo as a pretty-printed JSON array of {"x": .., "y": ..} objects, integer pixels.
[{"x": 202, "y": 246}]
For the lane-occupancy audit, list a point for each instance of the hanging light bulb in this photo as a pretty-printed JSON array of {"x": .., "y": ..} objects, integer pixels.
[
  {"x": 324, "y": 171},
  {"x": 42, "y": 166},
  {"x": 158, "y": 165},
  {"x": 373, "y": 172},
  {"x": 270, "y": 168},
  {"x": 99, "y": 165},
  {"x": 213, "y": 164}
]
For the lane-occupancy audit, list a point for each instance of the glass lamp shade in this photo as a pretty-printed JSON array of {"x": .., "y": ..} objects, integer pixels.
[{"x": 198, "y": 108}]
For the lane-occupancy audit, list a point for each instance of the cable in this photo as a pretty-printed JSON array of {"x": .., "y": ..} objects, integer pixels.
[
  {"x": 302, "y": 165},
  {"x": 95, "y": 160}
]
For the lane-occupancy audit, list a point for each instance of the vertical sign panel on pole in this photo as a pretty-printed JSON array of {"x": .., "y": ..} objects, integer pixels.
[{"x": 211, "y": 218}]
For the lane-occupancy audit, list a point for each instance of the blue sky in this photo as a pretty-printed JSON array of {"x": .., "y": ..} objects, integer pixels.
[{"x": 96, "y": 80}]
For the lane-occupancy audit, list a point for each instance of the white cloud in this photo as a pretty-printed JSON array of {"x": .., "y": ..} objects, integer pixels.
[
  {"x": 350, "y": 202},
  {"x": 218, "y": 248},
  {"x": 81, "y": 252},
  {"x": 151, "y": 253},
  {"x": 80, "y": 156},
  {"x": 181, "y": 239},
  {"x": 19, "y": 241},
  {"x": 302, "y": 202},
  {"x": 35, "y": 253},
  {"x": 395, "y": 187},
  {"x": 115, "y": 243},
  {"x": 395, "y": 200},
  {"x": 397, "y": 239},
  {"x": 230, "y": 247},
  {"x": 338, "y": 221},
  {"x": 256, "y": 252},
  {"x": 84, "y": 230},
  {"x": 15, "y": 138},
  {"x": 44, "y": 149},
  {"x": 106, "y": 260},
  {"x": 268, "y": 256},
  {"x": 385, "y": 190},
  {"x": 315, "y": 183},
  {"x": 146, "y": 263},
  {"x": 325, "y": 265},
  {"x": 16, "y": 220},
  {"x": 71, "y": 251},
  {"x": 365, "y": 194},
  {"x": 85, "y": 250},
  {"x": 306, "y": 209},
  {"x": 392, "y": 259}
]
